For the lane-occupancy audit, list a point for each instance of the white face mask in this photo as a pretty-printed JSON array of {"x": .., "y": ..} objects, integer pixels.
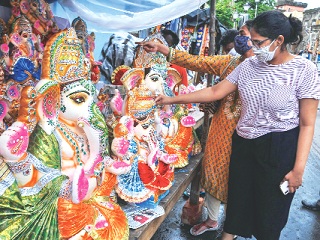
[
  {"x": 263, "y": 53},
  {"x": 233, "y": 52}
]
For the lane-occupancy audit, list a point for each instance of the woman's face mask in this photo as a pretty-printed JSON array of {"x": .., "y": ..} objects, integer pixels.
[
  {"x": 241, "y": 44},
  {"x": 233, "y": 52},
  {"x": 263, "y": 54}
]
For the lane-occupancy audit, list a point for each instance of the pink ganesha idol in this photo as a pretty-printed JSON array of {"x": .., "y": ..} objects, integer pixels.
[
  {"x": 151, "y": 173},
  {"x": 39, "y": 14}
]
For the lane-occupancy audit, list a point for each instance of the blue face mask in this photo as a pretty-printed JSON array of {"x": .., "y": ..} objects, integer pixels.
[{"x": 241, "y": 44}]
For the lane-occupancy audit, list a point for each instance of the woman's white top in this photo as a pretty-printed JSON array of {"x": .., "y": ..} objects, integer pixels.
[{"x": 270, "y": 94}]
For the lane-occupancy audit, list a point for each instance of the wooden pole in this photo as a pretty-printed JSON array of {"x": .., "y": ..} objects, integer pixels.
[
  {"x": 192, "y": 210},
  {"x": 212, "y": 33}
]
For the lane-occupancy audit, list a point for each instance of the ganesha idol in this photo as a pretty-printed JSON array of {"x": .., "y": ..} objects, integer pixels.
[
  {"x": 140, "y": 122},
  {"x": 151, "y": 172},
  {"x": 180, "y": 138},
  {"x": 57, "y": 178},
  {"x": 39, "y": 14},
  {"x": 88, "y": 46},
  {"x": 21, "y": 64}
]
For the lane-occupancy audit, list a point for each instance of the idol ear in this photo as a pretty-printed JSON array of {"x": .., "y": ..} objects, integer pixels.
[
  {"x": 15, "y": 39},
  {"x": 132, "y": 78},
  {"x": 173, "y": 79},
  {"x": 48, "y": 104}
]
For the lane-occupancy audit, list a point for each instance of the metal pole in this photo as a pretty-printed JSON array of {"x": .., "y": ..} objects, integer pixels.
[
  {"x": 212, "y": 31},
  {"x": 255, "y": 13}
]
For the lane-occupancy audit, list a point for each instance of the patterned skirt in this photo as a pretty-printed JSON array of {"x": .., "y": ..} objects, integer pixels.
[{"x": 215, "y": 163}]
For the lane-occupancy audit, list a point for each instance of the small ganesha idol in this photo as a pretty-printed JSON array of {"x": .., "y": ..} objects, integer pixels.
[
  {"x": 56, "y": 180},
  {"x": 88, "y": 46},
  {"x": 176, "y": 124},
  {"x": 139, "y": 124},
  {"x": 39, "y": 14},
  {"x": 20, "y": 55}
]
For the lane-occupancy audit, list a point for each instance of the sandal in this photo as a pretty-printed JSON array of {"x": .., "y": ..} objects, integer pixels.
[
  {"x": 314, "y": 206},
  {"x": 206, "y": 228}
]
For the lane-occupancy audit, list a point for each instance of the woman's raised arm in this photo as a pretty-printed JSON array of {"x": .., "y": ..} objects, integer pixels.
[{"x": 209, "y": 94}]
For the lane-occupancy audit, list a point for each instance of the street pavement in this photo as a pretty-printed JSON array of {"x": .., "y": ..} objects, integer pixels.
[{"x": 303, "y": 224}]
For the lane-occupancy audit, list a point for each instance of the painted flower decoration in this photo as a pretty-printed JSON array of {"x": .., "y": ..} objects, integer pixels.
[
  {"x": 4, "y": 48},
  {"x": 19, "y": 141},
  {"x": 13, "y": 92}
]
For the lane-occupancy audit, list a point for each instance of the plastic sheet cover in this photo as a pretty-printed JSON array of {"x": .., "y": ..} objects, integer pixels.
[{"x": 125, "y": 15}]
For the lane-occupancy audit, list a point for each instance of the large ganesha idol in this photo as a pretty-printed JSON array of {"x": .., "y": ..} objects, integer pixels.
[
  {"x": 56, "y": 180},
  {"x": 180, "y": 138}
]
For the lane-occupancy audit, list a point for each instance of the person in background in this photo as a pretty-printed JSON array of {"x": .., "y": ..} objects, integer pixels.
[
  {"x": 227, "y": 42},
  {"x": 215, "y": 163},
  {"x": 173, "y": 40},
  {"x": 279, "y": 95}
]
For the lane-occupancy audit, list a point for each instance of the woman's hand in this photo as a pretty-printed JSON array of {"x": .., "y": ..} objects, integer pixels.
[
  {"x": 295, "y": 180},
  {"x": 151, "y": 46},
  {"x": 163, "y": 100}
]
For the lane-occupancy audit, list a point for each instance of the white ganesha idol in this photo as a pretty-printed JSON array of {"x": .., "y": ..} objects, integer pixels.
[{"x": 62, "y": 169}]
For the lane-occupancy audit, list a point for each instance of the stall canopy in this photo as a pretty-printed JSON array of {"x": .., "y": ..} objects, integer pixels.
[
  {"x": 127, "y": 15},
  {"x": 121, "y": 15}
]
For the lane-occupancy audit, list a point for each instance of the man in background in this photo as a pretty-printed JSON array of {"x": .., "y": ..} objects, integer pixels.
[{"x": 173, "y": 40}]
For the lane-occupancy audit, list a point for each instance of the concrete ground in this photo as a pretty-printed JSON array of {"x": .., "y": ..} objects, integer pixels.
[{"x": 302, "y": 224}]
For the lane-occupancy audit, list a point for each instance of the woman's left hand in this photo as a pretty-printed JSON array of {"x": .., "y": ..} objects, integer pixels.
[
  {"x": 295, "y": 180},
  {"x": 149, "y": 46}
]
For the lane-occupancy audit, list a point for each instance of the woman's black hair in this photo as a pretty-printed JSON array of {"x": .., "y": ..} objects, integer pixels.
[
  {"x": 228, "y": 36},
  {"x": 248, "y": 23},
  {"x": 273, "y": 23},
  {"x": 175, "y": 38}
]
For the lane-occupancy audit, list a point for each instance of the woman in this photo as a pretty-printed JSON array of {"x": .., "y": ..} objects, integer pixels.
[
  {"x": 215, "y": 163},
  {"x": 279, "y": 94}
]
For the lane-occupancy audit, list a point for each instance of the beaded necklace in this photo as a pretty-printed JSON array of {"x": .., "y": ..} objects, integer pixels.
[{"x": 73, "y": 139}]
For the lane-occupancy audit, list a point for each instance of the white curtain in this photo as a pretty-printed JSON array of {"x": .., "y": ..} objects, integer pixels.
[{"x": 125, "y": 15}]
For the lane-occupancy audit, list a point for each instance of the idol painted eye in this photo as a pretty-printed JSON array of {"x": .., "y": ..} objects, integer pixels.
[
  {"x": 79, "y": 98},
  {"x": 154, "y": 77}
]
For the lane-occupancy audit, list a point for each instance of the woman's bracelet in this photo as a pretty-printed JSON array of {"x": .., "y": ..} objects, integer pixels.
[{"x": 171, "y": 55}]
